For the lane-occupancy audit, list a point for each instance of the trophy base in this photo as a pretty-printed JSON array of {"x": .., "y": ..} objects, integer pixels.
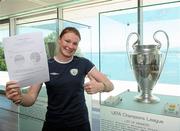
[{"x": 148, "y": 100}]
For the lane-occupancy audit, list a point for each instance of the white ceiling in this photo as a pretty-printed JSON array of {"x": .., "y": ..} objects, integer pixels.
[
  {"x": 9, "y": 8},
  {"x": 13, "y": 7}
]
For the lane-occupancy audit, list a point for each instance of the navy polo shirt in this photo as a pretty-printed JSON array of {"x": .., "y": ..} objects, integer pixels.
[{"x": 66, "y": 100}]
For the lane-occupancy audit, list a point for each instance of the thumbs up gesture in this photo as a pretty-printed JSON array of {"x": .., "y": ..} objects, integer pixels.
[{"x": 93, "y": 86}]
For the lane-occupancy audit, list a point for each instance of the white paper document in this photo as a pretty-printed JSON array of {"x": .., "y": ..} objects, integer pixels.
[{"x": 26, "y": 58}]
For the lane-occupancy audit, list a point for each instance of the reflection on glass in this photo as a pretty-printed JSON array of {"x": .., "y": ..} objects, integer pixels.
[
  {"x": 51, "y": 29},
  {"x": 113, "y": 51},
  {"x": 167, "y": 18},
  {"x": 47, "y": 27},
  {"x": 118, "y": 108}
]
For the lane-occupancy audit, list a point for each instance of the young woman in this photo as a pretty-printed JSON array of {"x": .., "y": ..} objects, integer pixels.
[{"x": 66, "y": 110}]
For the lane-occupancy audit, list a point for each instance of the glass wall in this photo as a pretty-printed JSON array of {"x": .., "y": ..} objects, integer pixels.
[
  {"x": 165, "y": 17},
  {"x": 51, "y": 29},
  {"x": 113, "y": 39},
  {"x": 126, "y": 108},
  {"x": 113, "y": 48},
  {"x": 47, "y": 27},
  {"x": 113, "y": 42}
]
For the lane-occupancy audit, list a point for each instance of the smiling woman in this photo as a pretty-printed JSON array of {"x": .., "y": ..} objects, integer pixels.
[
  {"x": 110, "y": 56},
  {"x": 66, "y": 87}
]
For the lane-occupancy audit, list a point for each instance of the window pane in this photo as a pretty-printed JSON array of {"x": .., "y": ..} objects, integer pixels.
[
  {"x": 113, "y": 42},
  {"x": 166, "y": 18},
  {"x": 4, "y": 32}
]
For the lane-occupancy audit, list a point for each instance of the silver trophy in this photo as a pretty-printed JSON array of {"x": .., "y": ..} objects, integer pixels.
[{"x": 147, "y": 63}]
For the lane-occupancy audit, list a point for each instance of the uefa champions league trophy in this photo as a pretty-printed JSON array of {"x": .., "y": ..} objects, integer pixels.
[{"x": 147, "y": 63}]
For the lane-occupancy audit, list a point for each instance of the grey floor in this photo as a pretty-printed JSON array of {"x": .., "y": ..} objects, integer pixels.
[{"x": 9, "y": 116}]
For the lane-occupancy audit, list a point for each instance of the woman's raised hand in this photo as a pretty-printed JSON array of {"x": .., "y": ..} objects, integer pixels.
[{"x": 13, "y": 92}]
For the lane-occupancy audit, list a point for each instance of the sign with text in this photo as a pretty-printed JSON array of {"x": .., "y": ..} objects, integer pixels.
[{"x": 114, "y": 119}]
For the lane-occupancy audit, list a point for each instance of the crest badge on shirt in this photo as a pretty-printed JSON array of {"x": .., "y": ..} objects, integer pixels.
[{"x": 74, "y": 72}]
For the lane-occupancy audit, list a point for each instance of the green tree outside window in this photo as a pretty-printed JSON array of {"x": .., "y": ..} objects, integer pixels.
[{"x": 2, "y": 59}]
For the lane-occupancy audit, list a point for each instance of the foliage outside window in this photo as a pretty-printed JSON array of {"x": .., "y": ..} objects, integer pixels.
[
  {"x": 50, "y": 44},
  {"x": 2, "y": 59}
]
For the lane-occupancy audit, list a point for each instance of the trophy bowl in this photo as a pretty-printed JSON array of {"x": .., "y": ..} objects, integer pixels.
[{"x": 146, "y": 62}]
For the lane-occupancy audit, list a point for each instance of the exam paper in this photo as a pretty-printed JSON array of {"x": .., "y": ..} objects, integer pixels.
[{"x": 26, "y": 58}]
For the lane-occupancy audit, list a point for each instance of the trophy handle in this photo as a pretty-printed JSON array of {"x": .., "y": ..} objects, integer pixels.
[
  {"x": 159, "y": 46},
  {"x": 127, "y": 44}
]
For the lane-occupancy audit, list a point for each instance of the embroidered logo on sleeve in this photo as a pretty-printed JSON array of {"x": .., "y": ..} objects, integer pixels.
[{"x": 74, "y": 72}]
